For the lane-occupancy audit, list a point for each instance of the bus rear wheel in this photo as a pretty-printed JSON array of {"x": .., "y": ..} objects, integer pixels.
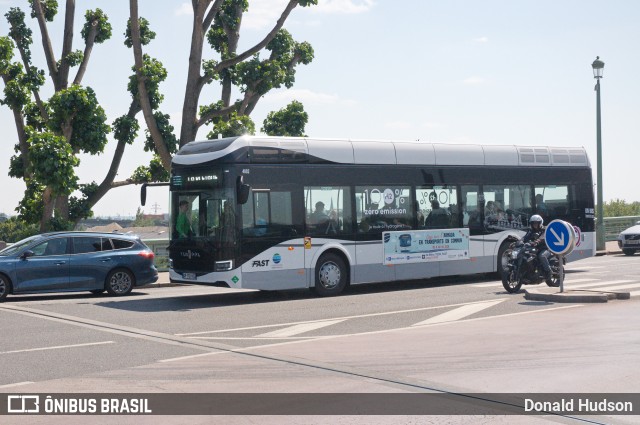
[{"x": 330, "y": 276}]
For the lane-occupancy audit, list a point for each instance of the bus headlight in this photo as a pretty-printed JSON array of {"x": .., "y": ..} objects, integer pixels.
[{"x": 223, "y": 266}]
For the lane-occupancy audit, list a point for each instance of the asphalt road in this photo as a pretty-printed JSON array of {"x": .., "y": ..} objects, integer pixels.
[{"x": 440, "y": 333}]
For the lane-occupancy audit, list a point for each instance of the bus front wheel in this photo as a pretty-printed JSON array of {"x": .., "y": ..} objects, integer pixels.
[{"x": 331, "y": 275}]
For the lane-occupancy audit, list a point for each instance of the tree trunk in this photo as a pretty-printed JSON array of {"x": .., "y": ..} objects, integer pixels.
[{"x": 143, "y": 96}]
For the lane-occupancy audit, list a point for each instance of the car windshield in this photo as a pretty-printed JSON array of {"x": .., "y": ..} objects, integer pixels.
[{"x": 18, "y": 246}]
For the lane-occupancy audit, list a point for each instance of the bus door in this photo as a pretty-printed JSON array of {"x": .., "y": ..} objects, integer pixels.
[
  {"x": 272, "y": 252},
  {"x": 473, "y": 218},
  {"x": 328, "y": 224}
]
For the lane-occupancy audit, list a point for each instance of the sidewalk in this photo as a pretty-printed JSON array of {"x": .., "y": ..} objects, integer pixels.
[{"x": 611, "y": 247}]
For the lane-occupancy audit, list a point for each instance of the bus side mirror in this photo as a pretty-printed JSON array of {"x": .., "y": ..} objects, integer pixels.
[
  {"x": 242, "y": 191},
  {"x": 143, "y": 194}
]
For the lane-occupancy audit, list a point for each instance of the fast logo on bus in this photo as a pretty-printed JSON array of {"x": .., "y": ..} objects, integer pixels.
[{"x": 260, "y": 263}]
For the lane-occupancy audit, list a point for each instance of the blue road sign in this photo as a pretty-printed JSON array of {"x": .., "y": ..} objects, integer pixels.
[{"x": 560, "y": 237}]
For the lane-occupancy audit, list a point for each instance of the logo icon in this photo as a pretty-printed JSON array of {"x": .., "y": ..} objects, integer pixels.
[
  {"x": 23, "y": 404},
  {"x": 277, "y": 258}
]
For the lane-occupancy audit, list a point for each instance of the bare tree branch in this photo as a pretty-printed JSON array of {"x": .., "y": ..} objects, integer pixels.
[
  {"x": 87, "y": 52},
  {"x": 22, "y": 135},
  {"x": 255, "y": 49},
  {"x": 108, "y": 181},
  {"x": 67, "y": 43},
  {"x": 211, "y": 15},
  {"x": 211, "y": 114},
  {"x": 143, "y": 96},
  {"x": 36, "y": 93},
  {"x": 46, "y": 44}
]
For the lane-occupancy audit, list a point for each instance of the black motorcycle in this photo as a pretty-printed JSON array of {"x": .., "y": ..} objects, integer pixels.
[{"x": 521, "y": 267}]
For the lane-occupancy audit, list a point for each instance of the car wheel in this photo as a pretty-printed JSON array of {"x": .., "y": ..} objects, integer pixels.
[
  {"x": 331, "y": 275},
  {"x": 120, "y": 282},
  {"x": 5, "y": 287},
  {"x": 628, "y": 251}
]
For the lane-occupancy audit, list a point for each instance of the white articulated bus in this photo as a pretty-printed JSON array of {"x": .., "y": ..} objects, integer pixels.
[{"x": 275, "y": 213}]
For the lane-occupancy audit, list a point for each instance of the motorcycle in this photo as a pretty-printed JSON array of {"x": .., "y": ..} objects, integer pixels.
[{"x": 521, "y": 267}]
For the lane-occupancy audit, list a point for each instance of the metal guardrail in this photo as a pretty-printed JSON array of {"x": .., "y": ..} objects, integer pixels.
[
  {"x": 159, "y": 248},
  {"x": 614, "y": 225}
]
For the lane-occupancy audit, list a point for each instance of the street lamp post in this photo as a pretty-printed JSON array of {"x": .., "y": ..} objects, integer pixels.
[{"x": 598, "y": 67}]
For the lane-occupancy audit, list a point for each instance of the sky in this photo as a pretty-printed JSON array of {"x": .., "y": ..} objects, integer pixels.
[{"x": 494, "y": 72}]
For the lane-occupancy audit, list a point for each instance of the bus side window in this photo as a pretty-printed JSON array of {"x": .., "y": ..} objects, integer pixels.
[{"x": 327, "y": 210}]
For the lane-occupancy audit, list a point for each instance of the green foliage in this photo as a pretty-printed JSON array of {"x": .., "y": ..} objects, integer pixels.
[
  {"x": 125, "y": 129},
  {"x": 15, "y": 229},
  {"x": 288, "y": 121},
  {"x": 146, "y": 35},
  {"x": 97, "y": 18},
  {"x": 140, "y": 221},
  {"x": 166, "y": 129},
  {"x": 31, "y": 206},
  {"x": 49, "y": 9},
  {"x": 32, "y": 116},
  {"x": 154, "y": 172},
  {"x": 53, "y": 162},
  {"x": 74, "y": 58},
  {"x": 261, "y": 76},
  {"x": 19, "y": 31},
  {"x": 79, "y": 207},
  {"x": 234, "y": 125},
  {"x": 16, "y": 166},
  {"x": 154, "y": 73},
  {"x": 305, "y": 3},
  {"x": 227, "y": 20},
  {"x": 209, "y": 67},
  {"x": 620, "y": 208},
  {"x": 79, "y": 107},
  {"x": 6, "y": 54}
]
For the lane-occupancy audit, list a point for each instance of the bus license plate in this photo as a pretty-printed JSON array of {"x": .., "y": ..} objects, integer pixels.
[{"x": 189, "y": 276}]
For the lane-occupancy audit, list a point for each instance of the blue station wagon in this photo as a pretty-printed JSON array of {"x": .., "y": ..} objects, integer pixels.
[{"x": 76, "y": 261}]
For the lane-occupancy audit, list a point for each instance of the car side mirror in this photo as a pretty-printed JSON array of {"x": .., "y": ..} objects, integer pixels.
[{"x": 27, "y": 254}]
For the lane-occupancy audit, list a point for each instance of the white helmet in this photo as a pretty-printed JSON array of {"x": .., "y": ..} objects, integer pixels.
[{"x": 536, "y": 219}]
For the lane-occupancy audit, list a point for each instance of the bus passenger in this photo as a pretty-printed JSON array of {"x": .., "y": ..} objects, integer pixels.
[
  {"x": 183, "y": 224},
  {"x": 319, "y": 215},
  {"x": 438, "y": 217}
]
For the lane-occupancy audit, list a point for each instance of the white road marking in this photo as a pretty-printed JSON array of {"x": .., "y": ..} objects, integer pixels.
[
  {"x": 569, "y": 284},
  {"x": 458, "y": 313},
  {"x": 17, "y": 384},
  {"x": 386, "y": 313},
  {"x": 615, "y": 288},
  {"x": 634, "y": 293},
  {"x": 299, "y": 329},
  {"x": 56, "y": 347}
]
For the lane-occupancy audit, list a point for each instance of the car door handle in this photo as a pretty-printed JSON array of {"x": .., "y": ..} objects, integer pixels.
[
  {"x": 104, "y": 260},
  {"x": 61, "y": 263}
]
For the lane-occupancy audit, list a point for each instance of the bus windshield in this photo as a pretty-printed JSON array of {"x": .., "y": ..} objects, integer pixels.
[{"x": 203, "y": 214}]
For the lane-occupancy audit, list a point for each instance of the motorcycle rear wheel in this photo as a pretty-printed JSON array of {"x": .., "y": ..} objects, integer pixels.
[
  {"x": 511, "y": 282},
  {"x": 555, "y": 279}
]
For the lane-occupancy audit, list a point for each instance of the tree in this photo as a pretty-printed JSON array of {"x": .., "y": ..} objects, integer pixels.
[
  {"x": 620, "y": 208},
  {"x": 218, "y": 22},
  {"x": 289, "y": 121},
  {"x": 52, "y": 133}
]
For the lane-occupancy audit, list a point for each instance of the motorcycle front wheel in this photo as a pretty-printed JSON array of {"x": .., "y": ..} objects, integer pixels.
[{"x": 510, "y": 281}]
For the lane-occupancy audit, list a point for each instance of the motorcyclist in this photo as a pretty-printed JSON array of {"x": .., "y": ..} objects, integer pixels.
[{"x": 535, "y": 237}]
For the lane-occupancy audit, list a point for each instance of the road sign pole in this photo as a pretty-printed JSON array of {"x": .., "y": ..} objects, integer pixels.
[{"x": 561, "y": 272}]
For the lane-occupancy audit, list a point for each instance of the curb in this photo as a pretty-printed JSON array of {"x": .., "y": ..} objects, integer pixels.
[{"x": 574, "y": 296}]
